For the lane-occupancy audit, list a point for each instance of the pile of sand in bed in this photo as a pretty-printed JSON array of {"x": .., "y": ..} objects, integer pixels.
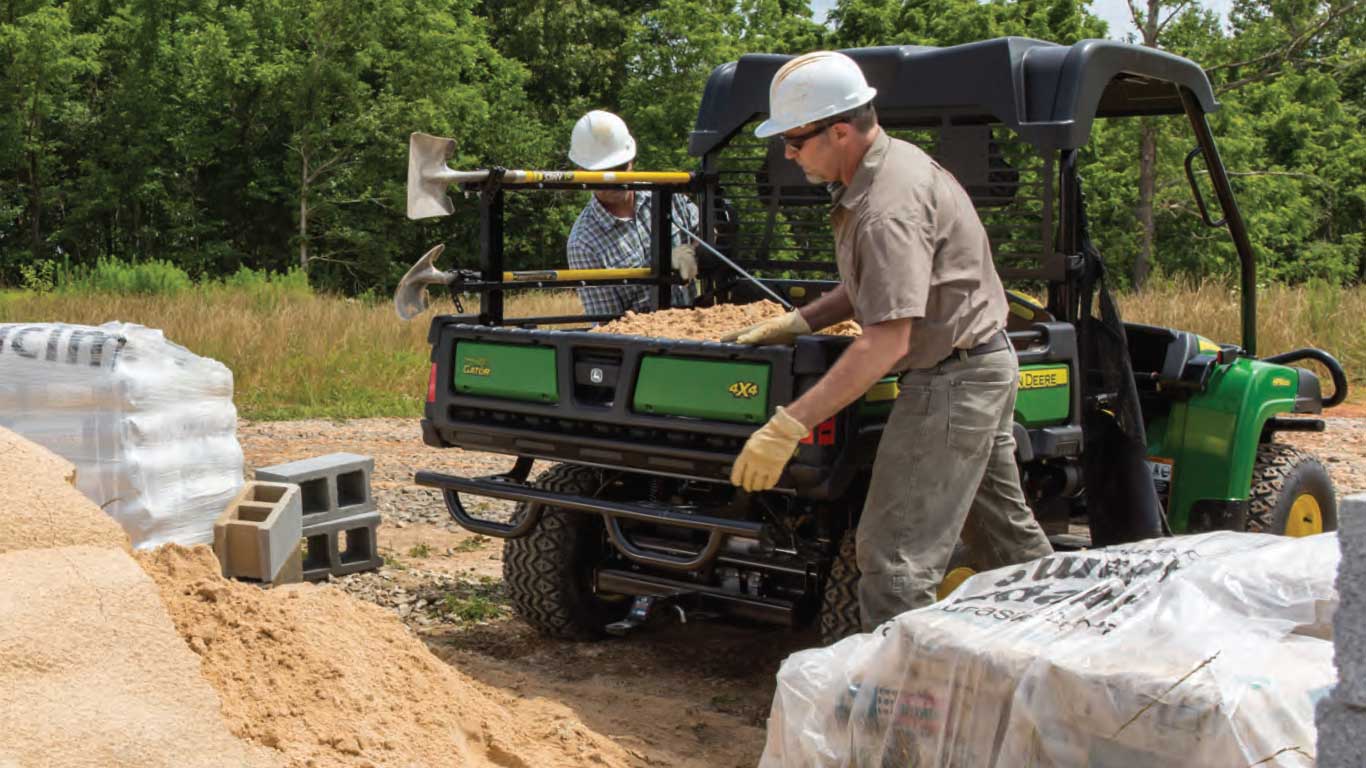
[{"x": 706, "y": 323}]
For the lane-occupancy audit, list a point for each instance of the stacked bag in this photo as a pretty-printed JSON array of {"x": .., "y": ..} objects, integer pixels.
[
  {"x": 1206, "y": 650},
  {"x": 149, "y": 425}
]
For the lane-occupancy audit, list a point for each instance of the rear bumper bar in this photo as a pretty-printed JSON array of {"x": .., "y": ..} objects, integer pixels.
[{"x": 512, "y": 487}]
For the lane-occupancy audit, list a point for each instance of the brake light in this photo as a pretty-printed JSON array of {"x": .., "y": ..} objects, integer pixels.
[
  {"x": 431, "y": 385},
  {"x": 823, "y": 435}
]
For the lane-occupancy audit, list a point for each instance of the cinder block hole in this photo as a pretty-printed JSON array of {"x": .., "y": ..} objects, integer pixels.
[
  {"x": 266, "y": 494},
  {"x": 315, "y": 552},
  {"x": 254, "y": 513},
  {"x": 358, "y": 545},
  {"x": 313, "y": 496},
  {"x": 351, "y": 488}
]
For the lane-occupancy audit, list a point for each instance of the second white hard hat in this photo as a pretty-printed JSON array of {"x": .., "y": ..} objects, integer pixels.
[
  {"x": 812, "y": 87},
  {"x": 600, "y": 141}
]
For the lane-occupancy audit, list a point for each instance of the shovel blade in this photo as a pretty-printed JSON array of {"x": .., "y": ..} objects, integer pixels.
[
  {"x": 410, "y": 298},
  {"x": 429, "y": 176}
]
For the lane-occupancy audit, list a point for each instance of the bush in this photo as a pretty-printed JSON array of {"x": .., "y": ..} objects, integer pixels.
[
  {"x": 147, "y": 278},
  {"x": 264, "y": 289}
]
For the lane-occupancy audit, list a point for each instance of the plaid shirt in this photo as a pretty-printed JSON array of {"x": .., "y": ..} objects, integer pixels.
[{"x": 600, "y": 240}]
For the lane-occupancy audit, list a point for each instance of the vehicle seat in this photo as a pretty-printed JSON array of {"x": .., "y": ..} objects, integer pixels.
[
  {"x": 1024, "y": 312},
  {"x": 1159, "y": 355}
]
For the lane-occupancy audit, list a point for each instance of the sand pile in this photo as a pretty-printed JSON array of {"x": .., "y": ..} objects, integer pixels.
[
  {"x": 329, "y": 680},
  {"x": 706, "y": 323},
  {"x": 39, "y": 505},
  {"x": 102, "y": 666},
  {"x": 92, "y": 673}
]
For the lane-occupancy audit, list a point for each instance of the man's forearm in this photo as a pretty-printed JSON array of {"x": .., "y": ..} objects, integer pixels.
[
  {"x": 830, "y": 308},
  {"x": 866, "y": 361}
]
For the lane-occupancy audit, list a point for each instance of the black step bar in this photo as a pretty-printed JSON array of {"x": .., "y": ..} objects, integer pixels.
[{"x": 512, "y": 486}]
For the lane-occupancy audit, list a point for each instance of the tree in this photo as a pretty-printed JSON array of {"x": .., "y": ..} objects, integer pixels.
[
  {"x": 674, "y": 49},
  {"x": 43, "y": 60}
]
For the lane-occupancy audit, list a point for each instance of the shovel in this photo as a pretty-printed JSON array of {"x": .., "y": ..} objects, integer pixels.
[{"x": 429, "y": 176}]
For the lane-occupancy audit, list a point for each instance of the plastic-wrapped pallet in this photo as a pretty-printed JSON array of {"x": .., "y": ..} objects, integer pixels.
[
  {"x": 149, "y": 425},
  {"x": 1206, "y": 650}
]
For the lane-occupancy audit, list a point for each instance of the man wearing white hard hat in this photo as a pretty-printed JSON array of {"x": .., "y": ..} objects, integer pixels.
[
  {"x": 916, "y": 272},
  {"x": 613, "y": 231}
]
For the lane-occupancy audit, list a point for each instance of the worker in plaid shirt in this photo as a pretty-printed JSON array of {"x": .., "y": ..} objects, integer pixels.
[{"x": 613, "y": 231}]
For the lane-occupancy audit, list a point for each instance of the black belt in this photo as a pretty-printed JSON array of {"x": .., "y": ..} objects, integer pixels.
[{"x": 996, "y": 343}]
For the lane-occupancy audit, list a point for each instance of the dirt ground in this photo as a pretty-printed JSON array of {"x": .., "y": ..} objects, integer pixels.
[{"x": 695, "y": 694}]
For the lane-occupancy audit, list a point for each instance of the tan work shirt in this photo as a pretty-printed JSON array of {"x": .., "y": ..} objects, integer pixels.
[{"x": 909, "y": 244}]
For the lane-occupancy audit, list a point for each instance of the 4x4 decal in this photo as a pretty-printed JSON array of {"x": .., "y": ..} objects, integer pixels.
[{"x": 743, "y": 390}]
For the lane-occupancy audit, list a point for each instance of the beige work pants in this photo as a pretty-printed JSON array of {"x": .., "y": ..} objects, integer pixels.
[{"x": 945, "y": 467}]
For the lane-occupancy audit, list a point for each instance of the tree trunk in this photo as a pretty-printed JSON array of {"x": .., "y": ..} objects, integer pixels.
[
  {"x": 36, "y": 207},
  {"x": 303, "y": 212},
  {"x": 1147, "y": 186},
  {"x": 35, "y": 130},
  {"x": 1147, "y": 166}
]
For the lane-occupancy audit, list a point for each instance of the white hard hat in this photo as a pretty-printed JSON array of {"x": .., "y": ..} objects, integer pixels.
[
  {"x": 811, "y": 87},
  {"x": 600, "y": 141}
]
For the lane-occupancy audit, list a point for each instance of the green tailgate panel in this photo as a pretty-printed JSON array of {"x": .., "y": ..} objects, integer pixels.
[
  {"x": 1044, "y": 396},
  {"x": 722, "y": 390},
  {"x": 509, "y": 371}
]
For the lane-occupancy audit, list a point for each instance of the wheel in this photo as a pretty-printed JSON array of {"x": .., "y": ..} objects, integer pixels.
[
  {"x": 549, "y": 571},
  {"x": 1292, "y": 493},
  {"x": 839, "y": 616}
]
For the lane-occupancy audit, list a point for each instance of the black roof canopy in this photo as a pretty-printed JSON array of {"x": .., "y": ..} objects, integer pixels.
[{"x": 1048, "y": 93}]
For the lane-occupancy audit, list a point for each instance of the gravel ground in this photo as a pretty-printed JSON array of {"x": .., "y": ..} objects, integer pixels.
[
  {"x": 1342, "y": 447},
  {"x": 674, "y": 695}
]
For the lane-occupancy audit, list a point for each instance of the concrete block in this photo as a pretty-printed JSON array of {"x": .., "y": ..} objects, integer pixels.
[
  {"x": 334, "y": 487},
  {"x": 259, "y": 532},
  {"x": 1349, "y": 622},
  {"x": 341, "y": 547},
  {"x": 1340, "y": 729},
  {"x": 1352, "y": 531}
]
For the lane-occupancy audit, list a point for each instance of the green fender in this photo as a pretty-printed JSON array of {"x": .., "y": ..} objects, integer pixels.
[{"x": 1209, "y": 441}]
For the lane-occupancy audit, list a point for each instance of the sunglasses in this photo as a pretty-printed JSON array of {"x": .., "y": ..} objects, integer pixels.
[{"x": 795, "y": 143}]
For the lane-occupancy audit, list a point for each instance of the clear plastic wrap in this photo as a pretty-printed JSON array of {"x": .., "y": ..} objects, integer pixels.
[
  {"x": 150, "y": 426},
  {"x": 1204, "y": 650}
]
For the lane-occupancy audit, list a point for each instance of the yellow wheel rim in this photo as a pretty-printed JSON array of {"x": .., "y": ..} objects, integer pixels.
[
  {"x": 954, "y": 580},
  {"x": 1306, "y": 518}
]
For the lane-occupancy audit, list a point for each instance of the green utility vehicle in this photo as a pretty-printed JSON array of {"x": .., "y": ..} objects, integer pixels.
[{"x": 1124, "y": 431}]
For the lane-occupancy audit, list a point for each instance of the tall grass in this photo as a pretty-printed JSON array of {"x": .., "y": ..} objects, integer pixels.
[
  {"x": 1321, "y": 315},
  {"x": 299, "y": 355},
  {"x": 293, "y": 354}
]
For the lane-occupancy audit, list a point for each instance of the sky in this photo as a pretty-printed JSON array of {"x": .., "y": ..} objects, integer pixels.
[{"x": 1114, "y": 12}]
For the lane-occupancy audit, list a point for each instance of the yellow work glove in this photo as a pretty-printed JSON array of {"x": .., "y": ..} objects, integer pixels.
[
  {"x": 767, "y": 451},
  {"x": 685, "y": 261},
  {"x": 783, "y": 329}
]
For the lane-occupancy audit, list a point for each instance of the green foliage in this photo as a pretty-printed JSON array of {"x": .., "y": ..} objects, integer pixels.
[
  {"x": 472, "y": 543},
  {"x": 237, "y": 138},
  {"x": 39, "y": 277},
  {"x": 147, "y": 278},
  {"x": 263, "y": 289},
  {"x": 953, "y": 22},
  {"x": 471, "y": 602}
]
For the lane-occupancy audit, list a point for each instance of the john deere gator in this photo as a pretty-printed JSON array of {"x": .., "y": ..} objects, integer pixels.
[{"x": 1124, "y": 431}]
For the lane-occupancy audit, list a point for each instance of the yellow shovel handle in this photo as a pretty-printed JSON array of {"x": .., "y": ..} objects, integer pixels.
[
  {"x": 533, "y": 276},
  {"x": 597, "y": 177}
]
